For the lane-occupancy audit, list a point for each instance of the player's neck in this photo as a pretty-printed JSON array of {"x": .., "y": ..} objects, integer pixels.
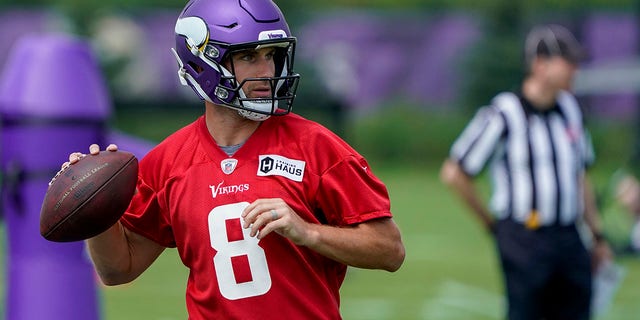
[{"x": 227, "y": 127}]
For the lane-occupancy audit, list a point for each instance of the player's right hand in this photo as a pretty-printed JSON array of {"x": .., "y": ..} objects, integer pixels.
[
  {"x": 93, "y": 149},
  {"x": 76, "y": 156}
]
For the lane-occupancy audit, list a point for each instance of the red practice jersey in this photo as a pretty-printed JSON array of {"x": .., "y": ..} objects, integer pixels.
[{"x": 191, "y": 194}]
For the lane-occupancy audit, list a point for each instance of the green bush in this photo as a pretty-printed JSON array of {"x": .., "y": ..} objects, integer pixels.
[
  {"x": 406, "y": 134},
  {"x": 409, "y": 134},
  {"x": 400, "y": 134}
]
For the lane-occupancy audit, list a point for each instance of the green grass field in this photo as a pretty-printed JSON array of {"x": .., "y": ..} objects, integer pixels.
[{"x": 450, "y": 271}]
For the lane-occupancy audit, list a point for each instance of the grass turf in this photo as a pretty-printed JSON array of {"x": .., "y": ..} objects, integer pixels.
[{"x": 450, "y": 271}]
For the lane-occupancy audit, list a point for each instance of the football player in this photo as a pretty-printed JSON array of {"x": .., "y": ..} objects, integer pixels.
[{"x": 266, "y": 209}]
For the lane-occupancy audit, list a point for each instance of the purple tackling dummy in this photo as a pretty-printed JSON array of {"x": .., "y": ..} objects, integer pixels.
[{"x": 53, "y": 101}]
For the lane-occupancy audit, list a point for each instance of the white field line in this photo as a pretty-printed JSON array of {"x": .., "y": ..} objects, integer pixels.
[{"x": 455, "y": 300}]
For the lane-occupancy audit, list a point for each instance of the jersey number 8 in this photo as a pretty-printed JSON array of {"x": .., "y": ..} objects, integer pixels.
[{"x": 227, "y": 250}]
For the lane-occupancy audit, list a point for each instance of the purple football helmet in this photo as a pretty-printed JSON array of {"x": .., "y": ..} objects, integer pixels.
[{"x": 209, "y": 31}]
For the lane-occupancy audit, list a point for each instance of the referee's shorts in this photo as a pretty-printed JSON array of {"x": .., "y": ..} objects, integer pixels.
[{"x": 547, "y": 272}]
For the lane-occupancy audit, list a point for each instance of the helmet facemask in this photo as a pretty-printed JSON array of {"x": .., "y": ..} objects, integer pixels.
[{"x": 283, "y": 83}]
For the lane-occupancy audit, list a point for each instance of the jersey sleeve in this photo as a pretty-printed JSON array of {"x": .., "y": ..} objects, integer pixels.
[
  {"x": 571, "y": 109},
  {"x": 146, "y": 216},
  {"x": 479, "y": 140},
  {"x": 349, "y": 193}
]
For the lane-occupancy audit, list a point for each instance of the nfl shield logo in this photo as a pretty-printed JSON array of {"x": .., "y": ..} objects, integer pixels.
[{"x": 228, "y": 165}]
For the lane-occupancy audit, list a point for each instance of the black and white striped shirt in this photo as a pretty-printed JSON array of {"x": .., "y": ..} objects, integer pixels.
[{"x": 536, "y": 158}]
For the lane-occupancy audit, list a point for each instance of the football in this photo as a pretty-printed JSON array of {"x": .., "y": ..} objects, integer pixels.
[{"x": 86, "y": 198}]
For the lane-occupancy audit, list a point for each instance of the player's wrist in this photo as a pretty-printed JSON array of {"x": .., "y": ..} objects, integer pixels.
[{"x": 311, "y": 237}]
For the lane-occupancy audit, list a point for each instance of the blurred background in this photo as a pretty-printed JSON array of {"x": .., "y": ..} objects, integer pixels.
[{"x": 398, "y": 79}]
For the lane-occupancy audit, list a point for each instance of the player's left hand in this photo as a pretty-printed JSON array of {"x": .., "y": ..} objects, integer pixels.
[{"x": 266, "y": 215}]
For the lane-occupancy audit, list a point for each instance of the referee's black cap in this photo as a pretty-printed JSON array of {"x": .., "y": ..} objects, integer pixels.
[{"x": 553, "y": 40}]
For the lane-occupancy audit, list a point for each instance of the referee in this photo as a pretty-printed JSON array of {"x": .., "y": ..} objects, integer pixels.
[{"x": 537, "y": 149}]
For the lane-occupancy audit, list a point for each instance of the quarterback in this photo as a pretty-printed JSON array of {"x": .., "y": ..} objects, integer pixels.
[{"x": 266, "y": 209}]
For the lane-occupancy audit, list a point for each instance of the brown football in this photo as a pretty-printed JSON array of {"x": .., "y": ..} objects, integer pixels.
[{"x": 89, "y": 196}]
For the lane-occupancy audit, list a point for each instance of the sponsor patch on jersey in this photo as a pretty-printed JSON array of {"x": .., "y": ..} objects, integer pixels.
[
  {"x": 228, "y": 165},
  {"x": 276, "y": 165}
]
